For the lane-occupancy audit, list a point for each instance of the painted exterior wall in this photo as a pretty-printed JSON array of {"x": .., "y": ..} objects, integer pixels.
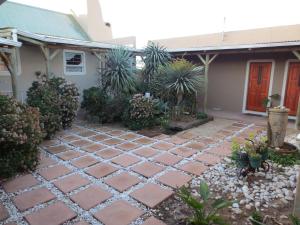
[{"x": 32, "y": 60}]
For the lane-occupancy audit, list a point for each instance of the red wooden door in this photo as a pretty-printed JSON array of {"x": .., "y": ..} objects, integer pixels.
[
  {"x": 258, "y": 85},
  {"x": 292, "y": 88}
]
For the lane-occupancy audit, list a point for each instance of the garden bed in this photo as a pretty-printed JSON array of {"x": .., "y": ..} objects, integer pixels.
[{"x": 187, "y": 122}]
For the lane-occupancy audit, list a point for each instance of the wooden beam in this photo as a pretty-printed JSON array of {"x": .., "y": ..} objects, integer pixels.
[
  {"x": 99, "y": 57},
  {"x": 46, "y": 54},
  {"x": 32, "y": 41},
  {"x": 6, "y": 50},
  {"x": 54, "y": 54},
  {"x": 297, "y": 54}
]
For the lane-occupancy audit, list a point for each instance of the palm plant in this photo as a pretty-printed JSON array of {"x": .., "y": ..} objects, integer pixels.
[
  {"x": 119, "y": 74},
  {"x": 180, "y": 78},
  {"x": 155, "y": 56}
]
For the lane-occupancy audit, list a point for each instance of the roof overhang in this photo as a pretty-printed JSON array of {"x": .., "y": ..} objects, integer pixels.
[{"x": 9, "y": 43}]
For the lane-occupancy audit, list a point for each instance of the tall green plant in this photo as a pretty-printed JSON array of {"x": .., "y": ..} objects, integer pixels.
[
  {"x": 155, "y": 56},
  {"x": 204, "y": 214},
  {"x": 119, "y": 75}
]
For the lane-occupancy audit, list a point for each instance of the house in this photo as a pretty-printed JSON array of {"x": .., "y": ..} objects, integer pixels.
[
  {"x": 244, "y": 68},
  {"x": 68, "y": 45}
]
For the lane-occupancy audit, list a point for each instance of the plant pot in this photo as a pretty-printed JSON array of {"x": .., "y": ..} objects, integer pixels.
[
  {"x": 255, "y": 162},
  {"x": 277, "y": 124}
]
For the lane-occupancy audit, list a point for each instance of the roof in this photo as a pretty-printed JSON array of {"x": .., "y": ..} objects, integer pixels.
[
  {"x": 262, "y": 37},
  {"x": 40, "y": 21},
  {"x": 8, "y": 42}
]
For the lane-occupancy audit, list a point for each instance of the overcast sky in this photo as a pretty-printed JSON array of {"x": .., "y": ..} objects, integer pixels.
[{"x": 155, "y": 19}]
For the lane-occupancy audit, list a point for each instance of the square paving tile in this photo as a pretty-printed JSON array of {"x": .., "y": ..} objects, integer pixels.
[
  {"x": 153, "y": 221},
  {"x": 144, "y": 141},
  {"x": 177, "y": 140},
  {"x": 168, "y": 159},
  {"x": 163, "y": 146},
  {"x": 93, "y": 147},
  {"x": 87, "y": 133},
  {"x": 57, "y": 149},
  {"x": 29, "y": 199},
  {"x": 184, "y": 152},
  {"x": 195, "y": 168},
  {"x": 146, "y": 152},
  {"x": 45, "y": 161},
  {"x": 84, "y": 161},
  {"x": 127, "y": 146},
  {"x": 54, "y": 172},
  {"x": 162, "y": 137},
  {"x": 20, "y": 183},
  {"x": 116, "y": 133},
  {"x": 147, "y": 169},
  {"x": 112, "y": 141},
  {"x": 81, "y": 143},
  {"x": 109, "y": 153},
  {"x": 90, "y": 197},
  {"x": 70, "y": 137},
  {"x": 220, "y": 150},
  {"x": 54, "y": 214},
  {"x": 70, "y": 155},
  {"x": 206, "y": 140},
  {"x": 101, "y": 170},
  {"x": 125, "y": 160},
  {"x": 129, "y": 136},
  {"x": 118, "y": 213},
  {"x": 208, "y": 159},
  {"x": 195, "y": 145},
  {"x": 187, "y": 135},
  {"x": 71, "y": 183},
  {"x": 99, "y": 137},
  {"x": 123, "y": 181},
  {"x": 3, "y": 213},
  {"x": 48, "y": 143},
  {"x": 151, "y": 195},
  {"x": 174, "y": 179}
]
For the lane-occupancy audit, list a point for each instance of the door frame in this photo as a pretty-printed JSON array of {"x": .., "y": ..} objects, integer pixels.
[
  {"x": 284, "y": 83},
  {"x": 272, "y": 61}
]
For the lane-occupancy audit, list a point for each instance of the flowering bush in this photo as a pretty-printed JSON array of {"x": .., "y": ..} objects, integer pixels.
[
  {"x": 57, "y": 101},
  {"x": 20, "y": 135}
]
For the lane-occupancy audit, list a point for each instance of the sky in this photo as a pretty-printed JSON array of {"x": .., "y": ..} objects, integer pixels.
[{"x": 157, "y": 19}]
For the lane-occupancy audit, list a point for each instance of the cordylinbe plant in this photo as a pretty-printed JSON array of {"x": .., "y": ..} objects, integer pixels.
[
  {"x": 20, "y": 135},
  {"x": 203, "y": 213}
]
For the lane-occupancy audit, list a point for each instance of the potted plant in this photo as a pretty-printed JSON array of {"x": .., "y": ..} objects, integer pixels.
[{"x": 255, "y": 159}]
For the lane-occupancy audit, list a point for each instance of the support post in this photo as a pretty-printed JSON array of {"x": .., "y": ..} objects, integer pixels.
[{"x": 46, "y": 53}]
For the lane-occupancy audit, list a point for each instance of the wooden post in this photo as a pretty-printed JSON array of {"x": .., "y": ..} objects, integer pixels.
[
  {"x": 206, "y": 63},
  {"x": 298, "y": 115},
  {"x": 46, "y": 53}
]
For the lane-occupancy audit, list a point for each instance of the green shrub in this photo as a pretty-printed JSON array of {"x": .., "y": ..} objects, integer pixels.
[
  {"x": 284, "y": 159},
  {"x": 203, "y": 213},
  {"x": 57, "y": 101},
  {"x": 201, "y": 115},
  {"x": 115, "y": 108},
  {"x": 20, "y": 135}
]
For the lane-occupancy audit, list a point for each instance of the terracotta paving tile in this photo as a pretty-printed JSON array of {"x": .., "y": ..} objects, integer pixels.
[
  {"x": 187, "y": 135},
  {"x": 118, "y": 213},
  {"x": 206, "y": 140},
  {"x": 153, "y": 221},
  {"x": 151, "y": 195},
  {"x": 163, "y": 146},
  {"x": 129, "y": 136},
  {"x": 104, "y": 129},
  {"x": 146, "y": 152},
  {"x": 127, "y": 146},
  {"x": 57, "y": 149},
  {"x": 184, "y": 152},
  {"x": 123, "y": 181},
  {"x": 45, "y": 161},
  {"x": 195, "y": 168},
  {"x": 87, "y": 133},
  {"x": 220, "y": 150},
  {"x": 112, "y": 141},
  {"x": 101, "y": 170},
  {"x": 93, "y": 147},
  {"x": 239, "y": 140},
  {"x": 90, "y": 197},
  {"x": 99, "y": 137},
  {"x": 48, "y": 143},
  {"x": 239, "y": 124},
  {"x": 125, "y": 160},
  {"x": 71, "y": 183},
  {"x": 54, "y": 172},
  {"x": 20, "y": 183},
  {"x": 208, "y": 159},
  {"x": 174, "y": 179},
  {"x": 168, "y": 159},
  {"x": 225, "y": 132},
  {"x": 3, "y": 213},
  {"x": 70, "y": 137},
  {"x": 232, "y": 128},
  {"x": 70, "y": 155},
  {"x": 144, "y": 141},
  {"x": 29, "y": 199},
  {"x": 81, "y": 143},
  {"x": 162, "y": 137},
  {"x": 176, "y": 140},
  {"x": 116, "y": 133},
  {"x": 54, "y": 214},
  {"x": 109, "y": 153},
  {"x": 147, "y": 169},
  {"x": 84, "y": 161},
  {"x": 195, "y": 145}
]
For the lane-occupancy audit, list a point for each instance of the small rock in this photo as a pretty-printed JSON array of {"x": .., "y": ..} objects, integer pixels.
[{"x": 235, "y": 205}]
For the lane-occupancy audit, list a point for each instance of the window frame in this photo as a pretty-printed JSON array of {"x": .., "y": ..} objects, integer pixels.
[{"x": 65, "y": 63}]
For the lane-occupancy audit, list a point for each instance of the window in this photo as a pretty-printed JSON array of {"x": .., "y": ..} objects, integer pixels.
[{"x": 74, "y": 62}]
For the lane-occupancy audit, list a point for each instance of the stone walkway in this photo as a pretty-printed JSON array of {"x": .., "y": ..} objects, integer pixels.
[{"x": 94, "y": 174}]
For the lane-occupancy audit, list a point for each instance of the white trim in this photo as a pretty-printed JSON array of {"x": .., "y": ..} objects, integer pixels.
[
  {"x": 244, "y": 109},
  {"x": 284, "y": 83},
  {"x": 83, "y": 63}
]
